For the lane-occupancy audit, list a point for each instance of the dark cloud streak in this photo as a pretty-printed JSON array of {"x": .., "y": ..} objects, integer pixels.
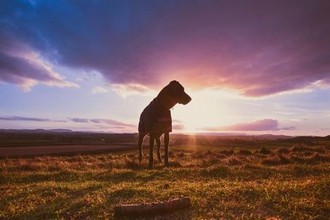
[
  {"x": 109, "y": 122},
  {"x": 18, "y": 118}
]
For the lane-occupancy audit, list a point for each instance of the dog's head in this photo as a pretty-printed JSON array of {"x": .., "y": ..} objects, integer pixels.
[
  {"x": 178, "y": 93},
  {"x": 174, "y": 93}
]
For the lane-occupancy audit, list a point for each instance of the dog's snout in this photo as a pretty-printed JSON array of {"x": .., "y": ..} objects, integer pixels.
[{"x": 186, "y": 99}]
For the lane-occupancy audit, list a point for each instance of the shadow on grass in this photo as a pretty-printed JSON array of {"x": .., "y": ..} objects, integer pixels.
[
  {"x": 55, "y": 207},
  {"x": 127, "y": 194}
]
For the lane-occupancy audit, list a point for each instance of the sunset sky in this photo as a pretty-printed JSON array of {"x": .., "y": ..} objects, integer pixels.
[{"x": 252, "y": 67}]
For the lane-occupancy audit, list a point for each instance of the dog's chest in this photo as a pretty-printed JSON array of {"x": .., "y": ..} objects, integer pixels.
[{"x": 155, "y": 119}]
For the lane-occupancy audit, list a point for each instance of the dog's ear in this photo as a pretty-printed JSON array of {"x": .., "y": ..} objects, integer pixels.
[
  {"x": 174, "y": 82},
  {"x": 175, "y": 88}
]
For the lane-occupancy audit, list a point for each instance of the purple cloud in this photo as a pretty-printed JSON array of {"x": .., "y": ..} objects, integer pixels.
[
  {"x": 116, "y": 123},
  {"x": 97, "y": 121},
  {"x": 109, "y": 122},
  {"x": 18, "y": 118},
  {"x": 104, "y": 123},
  {"x": 79, "y": 120},
  {"x": 255, "y": 47},
  {"x": 259, "y": 125},
  {"x": 22, "y": 65}
]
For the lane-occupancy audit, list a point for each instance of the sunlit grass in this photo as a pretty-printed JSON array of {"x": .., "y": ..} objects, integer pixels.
[{"x": 231, "y": 184}]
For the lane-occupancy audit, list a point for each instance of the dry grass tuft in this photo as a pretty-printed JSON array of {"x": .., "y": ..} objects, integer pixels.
[
  {"x": 227, "y": 152},
  {"x": 299, "y": 148},
  {"x": 275, "y": 160},
  {"x": 232, "y": 160},
  {"x": 175, "y": 163},
  {"x": 133, "y": 164},
  {"x": 244, "y": 152},
  {"x": 282, "y": 150},
  {"x": 264, "y": 150}
]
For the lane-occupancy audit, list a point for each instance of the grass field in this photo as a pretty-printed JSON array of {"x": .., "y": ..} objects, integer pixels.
[{"x": 281, "y": 181}]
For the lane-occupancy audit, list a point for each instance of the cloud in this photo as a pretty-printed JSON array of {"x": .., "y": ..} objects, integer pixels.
[
  {"x": 22, "y": 65},
  {"x": 99, "y": 90},
  {"x": 178, "y": 127},
  {"x": 115, "y": 123},
  {"x": 325, "y": 129},
  {"x": 129, "y": 89},
  {"x": 108, "y": 122},
  {"x": 89, "y": 124},
  {"x": 79, "y": 120},
  {"x": 254, "y": 47},
  {"x": 18, "y": 118},
  {"x": 259, "y": 125}
]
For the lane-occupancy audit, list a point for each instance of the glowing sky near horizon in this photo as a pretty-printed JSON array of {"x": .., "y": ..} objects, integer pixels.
[{"x": 251, "y": 67}]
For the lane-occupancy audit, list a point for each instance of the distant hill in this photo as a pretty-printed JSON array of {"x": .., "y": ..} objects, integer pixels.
[
  {"x": 219, "y": 134},
  {"x": 60, "y": 130},
  {"x": 272, "y": 136},
  {"x": 243, "y": 135},
  {"x": 51, "y": 137}
]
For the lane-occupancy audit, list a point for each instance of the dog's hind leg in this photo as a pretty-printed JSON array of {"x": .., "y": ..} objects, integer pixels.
[
  {"x": 141, "y": 136},
  {"x": 151, "y": 151},
  {"x": 166, "y": 143},
  {"x": 158, "y": 149}
]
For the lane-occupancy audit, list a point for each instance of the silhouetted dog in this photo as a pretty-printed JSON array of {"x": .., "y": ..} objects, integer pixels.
[{"x": 156, "y": 120}]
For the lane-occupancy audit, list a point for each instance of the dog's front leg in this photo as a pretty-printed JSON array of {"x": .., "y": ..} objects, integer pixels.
[
  {"x": 151, "y": 152},
  {"x": 166, "y": 143}
]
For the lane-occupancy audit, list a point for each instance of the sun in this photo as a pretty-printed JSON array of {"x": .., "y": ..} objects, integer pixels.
[{"x": 206, "y": 110}]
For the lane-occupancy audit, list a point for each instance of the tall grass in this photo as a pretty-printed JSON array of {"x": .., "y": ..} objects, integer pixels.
[{"x": 230, "y": 184}]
